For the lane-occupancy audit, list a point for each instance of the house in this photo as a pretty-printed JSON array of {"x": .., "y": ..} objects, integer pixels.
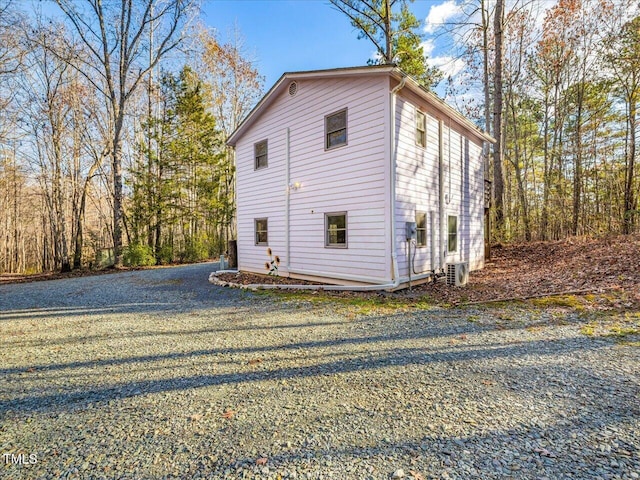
[{"x": 337, "y": 168}]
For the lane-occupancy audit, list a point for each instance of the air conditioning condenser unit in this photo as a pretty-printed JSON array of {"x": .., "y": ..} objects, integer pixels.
[{"x": 458, "y": 273}]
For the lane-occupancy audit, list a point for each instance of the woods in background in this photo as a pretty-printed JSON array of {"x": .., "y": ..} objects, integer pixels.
[
  {"x": 110, "y": 151},
  {"x": 113, "y": 118}
]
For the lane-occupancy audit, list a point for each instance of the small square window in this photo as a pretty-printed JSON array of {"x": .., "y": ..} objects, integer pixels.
[
  {"x": 421, "y": 229},
  {"x": 421, "y": 129},
  {"x": 336, "y": 230},
  {"x": 452, "y": 244},
  {"x": 335, "y": 127},
  {"x": 260, "y": 154},
  {"x": 261, "y": 228}
]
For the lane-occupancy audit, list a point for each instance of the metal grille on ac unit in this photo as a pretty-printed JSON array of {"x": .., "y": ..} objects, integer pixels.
[{"x": 457, "y": 274}]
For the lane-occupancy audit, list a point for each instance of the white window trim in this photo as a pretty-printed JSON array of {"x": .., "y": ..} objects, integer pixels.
[
  {"x": 326, "y": 230},
  {"x": 255, "y": 231},
  {"x": 346, "y": 129},
  {"x": 421, "y": 245},
  {"x": 255, "y": 157},
  {"x": 417, "y": 116},
  {"x": 457, "y": 234}
]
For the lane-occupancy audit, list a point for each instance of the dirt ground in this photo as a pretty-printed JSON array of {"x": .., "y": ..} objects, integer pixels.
[{"x": 575, "y": 265}]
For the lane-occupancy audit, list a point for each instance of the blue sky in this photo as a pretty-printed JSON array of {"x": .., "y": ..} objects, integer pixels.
[{"x": 293, "y": 35}]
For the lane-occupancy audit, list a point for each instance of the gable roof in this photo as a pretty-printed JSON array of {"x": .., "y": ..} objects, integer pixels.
[{"x": 381, "y": 70}]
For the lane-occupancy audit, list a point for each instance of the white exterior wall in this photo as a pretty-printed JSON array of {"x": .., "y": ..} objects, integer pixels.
[
  {"x": 352, "y": 178},
  {"x": 417, "y": 188}
]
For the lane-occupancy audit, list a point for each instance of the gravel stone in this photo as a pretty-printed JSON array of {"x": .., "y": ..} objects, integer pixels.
[{"x": 158, "y": 374}]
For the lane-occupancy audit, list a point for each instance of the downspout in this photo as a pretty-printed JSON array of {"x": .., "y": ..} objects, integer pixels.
[
  {"x": 288, "y": 203},
  {"x": 394, "y": 257},
  {"x": 394, "y": 161},
  {"x": 441, "y": 194}
]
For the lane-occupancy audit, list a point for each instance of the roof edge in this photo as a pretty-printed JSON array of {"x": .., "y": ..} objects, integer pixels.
[{"x": 392, "y": 70}]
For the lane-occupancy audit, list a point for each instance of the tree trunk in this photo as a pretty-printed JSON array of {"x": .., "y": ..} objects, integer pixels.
[
  {"x": 629, "y": 201},
  {"x": 498, "y": 181}
]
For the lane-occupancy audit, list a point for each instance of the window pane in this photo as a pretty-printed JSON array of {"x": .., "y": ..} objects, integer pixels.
[
  {"x": 336, "y": 129},
  {"x": 452, "y": 245},
  {"x": 261, "y": 161},
  {"x": 421, "y": 139},
  {"x": 337, "y": 221},
  {"x": 260, "y": 154},
  {"x": 337, "y": 138},
  {"x": 421, "y": 229},
  {"x": 261, "y": 148},
  {"x": 261, "y": 231},
  {"x": 336, "y": 121},
  {"x": 336, "y": 230}
]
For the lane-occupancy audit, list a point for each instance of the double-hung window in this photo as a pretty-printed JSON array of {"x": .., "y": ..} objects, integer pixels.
[
  {"x": 421, "y": 129},
  {"x": 335, "y": 129},
  {"x": 421, "y": 229},
  {"x": 452, "y": 243},
  {"x": 335, "y": 230},
  {"x": 261, "y": 231},
  {"x": 260, "y": 151}
]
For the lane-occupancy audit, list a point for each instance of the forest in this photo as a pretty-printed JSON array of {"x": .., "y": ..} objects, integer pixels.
[{"x": 113, "y": 118}]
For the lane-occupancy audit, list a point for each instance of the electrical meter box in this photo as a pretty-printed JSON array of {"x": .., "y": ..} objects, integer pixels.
[{"x": 411, "y": 231}]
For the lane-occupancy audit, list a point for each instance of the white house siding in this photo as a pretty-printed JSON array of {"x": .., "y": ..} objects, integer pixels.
[
  {"x": 353, "y": 178},
  {"x": 417, "y": 187}
]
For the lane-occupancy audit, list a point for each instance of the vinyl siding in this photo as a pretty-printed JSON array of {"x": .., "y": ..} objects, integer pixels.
[
  {"x": 417, "y": 188},
  {"x": 351, "y": 178}
]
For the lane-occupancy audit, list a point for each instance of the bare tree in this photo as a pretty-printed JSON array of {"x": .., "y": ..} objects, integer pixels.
[{"x": 121, "y": 56}]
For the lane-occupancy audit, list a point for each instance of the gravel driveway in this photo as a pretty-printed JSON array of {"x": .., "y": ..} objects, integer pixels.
[{"x": 158, "y": 374}]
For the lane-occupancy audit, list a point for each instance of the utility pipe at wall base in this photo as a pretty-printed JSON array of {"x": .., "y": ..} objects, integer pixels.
[{"x": 354, "y": 288}]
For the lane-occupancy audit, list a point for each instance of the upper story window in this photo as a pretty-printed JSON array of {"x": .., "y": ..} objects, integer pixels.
[
  {"x": 335, "y": 127},
  {"x": 421, "y": 229},
  {"x": 336, "y": 230},
  {"x": 260, "y": 155},
  {"x": 421, "y": 129}
]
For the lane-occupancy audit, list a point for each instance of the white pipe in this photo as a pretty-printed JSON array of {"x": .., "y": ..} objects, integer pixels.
[
  {"x": 288, "y": 202},
  {"x": 441, "y": 241},
  {"x": 342, "y": 276}
]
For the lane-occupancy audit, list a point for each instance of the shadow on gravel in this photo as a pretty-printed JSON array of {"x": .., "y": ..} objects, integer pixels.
[
  {"x": 491, "y": 453},
  {"x": 159, "y": 290},
  {"x": 397, "y": 357},
  {"x": 411, "y": 332}
]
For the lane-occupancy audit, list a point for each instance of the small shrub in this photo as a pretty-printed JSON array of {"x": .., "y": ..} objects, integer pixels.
[
  {"x": 165, "y": 255},
  {"x": 195, "y": 250},
  {"x": 138, "y": 255}
]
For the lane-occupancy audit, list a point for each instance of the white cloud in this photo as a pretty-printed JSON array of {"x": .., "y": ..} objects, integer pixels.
[
  {"x": 449, "y": 66},
  {"x": 439, "y": 14},
  {"x": 427, "y": 47}
]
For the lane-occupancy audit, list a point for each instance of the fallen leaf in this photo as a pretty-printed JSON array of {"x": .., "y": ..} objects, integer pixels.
[
  {"x": 261, "y": 461},
  {"x": 31, "y": 370},
  {"x": 255, "y": 361},
  {"x": 416, "y": 475},
  {"x": 544, "y": 452},
  {"x": 228, "y": 414}
]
